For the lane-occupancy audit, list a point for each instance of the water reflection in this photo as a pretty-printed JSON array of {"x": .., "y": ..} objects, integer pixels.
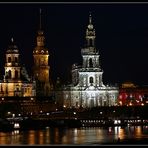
[{"x": 73, "y": 135}]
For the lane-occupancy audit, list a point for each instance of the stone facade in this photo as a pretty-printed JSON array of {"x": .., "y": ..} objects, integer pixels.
[{"x": 87, "y": 88}]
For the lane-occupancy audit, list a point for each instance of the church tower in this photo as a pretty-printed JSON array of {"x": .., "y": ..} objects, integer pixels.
[
  {"x": 87, "y": 89},
  {"x": 12, "y": 65},
  {"x": 90, "y": 74},
  {"x": 16, "y": 80},
  {"x": 41, "y": 67}
]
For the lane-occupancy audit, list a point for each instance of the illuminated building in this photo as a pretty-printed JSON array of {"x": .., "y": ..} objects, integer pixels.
[
  {"x": 131, "y": 94},
  {"x": 16, "y": 81},
  {"x": 87, "y": 88},
  {"x": 41, "y": 67}
]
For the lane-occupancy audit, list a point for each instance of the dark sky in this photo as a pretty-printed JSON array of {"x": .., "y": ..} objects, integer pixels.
[{"x": 121, "y": 30}]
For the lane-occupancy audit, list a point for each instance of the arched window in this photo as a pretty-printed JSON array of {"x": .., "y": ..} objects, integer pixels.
[
  {"x": 16, "y": 74},
  {"x": 9, "y": 59},
  {"x": 9, "y": 74},
  {"x": 90, "y": 63},
  {"x": 91, "y": 80}
]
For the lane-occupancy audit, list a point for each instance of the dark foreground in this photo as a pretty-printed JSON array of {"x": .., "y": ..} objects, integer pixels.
[{"x": 136, "y": 141}]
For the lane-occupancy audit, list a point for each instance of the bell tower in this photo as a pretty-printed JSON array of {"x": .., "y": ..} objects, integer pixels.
[
  {"x": 12, "y": 65},
  {"x": 41, "y": 67},
  {"x": 90, "y": 73}
]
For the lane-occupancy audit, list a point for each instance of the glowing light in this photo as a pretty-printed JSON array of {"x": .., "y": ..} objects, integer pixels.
[
  {"x": 120, "y": 102},
  {"x": 110, "y": 129},
  {"x": 142, "y": 104},
  {"x": 117, "y": 121},
  {"x": 16, "y": 125},
  {"x": 120, "y": 96},
  {"x": 9, "y": 113}
]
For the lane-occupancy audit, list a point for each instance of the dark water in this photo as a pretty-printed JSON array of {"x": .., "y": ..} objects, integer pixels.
[{"x": 73, "y": 136}]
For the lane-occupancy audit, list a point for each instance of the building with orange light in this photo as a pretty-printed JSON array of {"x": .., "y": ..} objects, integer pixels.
[
  {"x": 16, "y": 80},
  {"x": 41, "y": 68}
]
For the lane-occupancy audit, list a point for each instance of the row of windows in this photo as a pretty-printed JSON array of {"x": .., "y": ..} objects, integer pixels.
[
  {"x": 25, "y": 90},
  {"x": 10, "y": 59},
  {"x": 90, "y": 62},
  {"x": 9, "y": 74},
  {"x": 41, "y": 62}
]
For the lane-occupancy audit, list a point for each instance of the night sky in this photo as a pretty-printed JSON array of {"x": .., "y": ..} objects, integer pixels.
[{"x": 121, "y": 31}]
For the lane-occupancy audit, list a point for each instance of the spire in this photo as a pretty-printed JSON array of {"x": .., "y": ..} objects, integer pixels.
[
  {"x": 90, "y": 18},
  {"x": 90, "y": 33},
  {"x": 40, "y": 19},
  {"x": 40, "y": 36},
  {"x": 90, "y": 25},
  {"x": 12, "y": 40}
]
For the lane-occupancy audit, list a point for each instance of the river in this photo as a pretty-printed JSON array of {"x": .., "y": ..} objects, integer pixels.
[{"x": 73, "y": 136}]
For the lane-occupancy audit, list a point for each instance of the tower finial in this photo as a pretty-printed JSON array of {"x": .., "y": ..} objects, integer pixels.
[
  {"x": 40, "y": 18},
  {"x": 90, "y": 18},
  {"x": 12, "y": 40}
]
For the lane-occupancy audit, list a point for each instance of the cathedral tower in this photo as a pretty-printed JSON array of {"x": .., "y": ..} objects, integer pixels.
[
  {"x": 90, "y": 74},
  {"x": 87, "y": 88},
  {"x": 41, "y": 67}
]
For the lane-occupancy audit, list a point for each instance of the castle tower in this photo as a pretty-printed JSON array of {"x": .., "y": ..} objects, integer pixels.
[
  {"x": 41, "y": 67},
  {"x": 12, "y": 65}
]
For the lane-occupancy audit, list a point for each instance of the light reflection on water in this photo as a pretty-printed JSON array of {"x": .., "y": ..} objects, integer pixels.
[{"x": 88, "y": 135}]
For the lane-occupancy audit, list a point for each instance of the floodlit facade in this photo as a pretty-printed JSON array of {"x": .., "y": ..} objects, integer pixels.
[
  {"x": 132, "y": 95},
  {"x": 87, "y": 88},
  {"x": 16, "y": 81}
]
